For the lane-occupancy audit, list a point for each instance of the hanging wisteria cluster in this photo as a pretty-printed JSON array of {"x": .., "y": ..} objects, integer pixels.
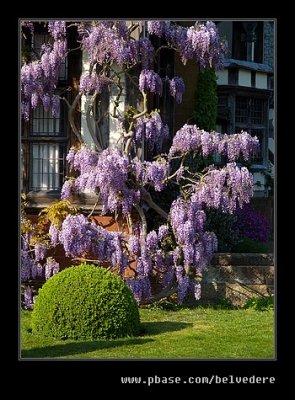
[
  {"x": 200, "y": 42},
  {"x": 194, "y": 246},
  {"x": 177, "y": 88},
  {"x": 152, "y": 130},
  {"x": 35, "y": 264},
  {"x": 40, "y": 76},
  {"x": 190, "y": 139},
  {"x": 120, "y": 177},
  {"x": 90, "y": 83},
  {"x": 227, "y": 188},
  {"x": 110, "y": 174}
]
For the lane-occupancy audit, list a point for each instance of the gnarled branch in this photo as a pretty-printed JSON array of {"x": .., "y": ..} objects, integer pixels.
[
  {"x": 161, "y": 295},
  {"x": 72, "y": 108},
  {"x": 143, "y": 220},
  {"x": 148, "y": 199},
  {"x": 88, "y": 107}
]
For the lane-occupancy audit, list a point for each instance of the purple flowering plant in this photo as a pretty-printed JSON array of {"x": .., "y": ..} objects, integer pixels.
[
  {"x": 119, "y": 175},
  {"x": 252, "y": 224}
]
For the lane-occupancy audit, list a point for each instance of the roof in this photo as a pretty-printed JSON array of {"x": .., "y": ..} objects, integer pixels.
[{"x": 230, "y": 62}]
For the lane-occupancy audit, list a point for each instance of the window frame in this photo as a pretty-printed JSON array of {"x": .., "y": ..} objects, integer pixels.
[
  {"x": 252, "y": 126},
  {"x": 64, "y": 70},
  {"x": 29, "y": 139},
  {"x": 242, "y": 37},
  {"x": 60, "y": 137}
]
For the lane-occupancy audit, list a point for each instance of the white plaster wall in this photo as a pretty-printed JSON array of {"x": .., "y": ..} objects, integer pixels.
[
  {"x": 222, "y": 77},
  {"x": 244, "y": 77},
  {"x": 84, "y": 129},
  {"x": 259, "y": 177},
  {"x": 261, "y": 80},
  {"x": 114, "y": 125},
  {"x": 271, "y": 144}
]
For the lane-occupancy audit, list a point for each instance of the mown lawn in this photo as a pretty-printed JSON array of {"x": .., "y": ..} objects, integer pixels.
[{"x": 199, "y": 333}]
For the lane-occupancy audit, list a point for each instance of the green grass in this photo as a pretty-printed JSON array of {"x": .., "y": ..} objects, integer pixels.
[{"x": 196, "y": 333}]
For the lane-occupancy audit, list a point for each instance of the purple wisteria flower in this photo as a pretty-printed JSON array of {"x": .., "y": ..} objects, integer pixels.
[
  {"x": 76, "y": 235},
  {"x": 133, "y": 244},
  {"x": 120, "y": 176},
  {"x": 150, "y": 81},
  {"x": 157, "y": 28},
  {"x": 80, "y": 237},
  {"x": 156, "y": 173},
  {"x": 55, "y": 105},
  {"x": 57, "y": 29},
  {"x": 163, "y": 231},
  {"x": 152, "y": 241},
  {"x": 82, "y": 160},
  {"x": 118, "y": 258},
  {"x": 152, "y": 129},
  {"x": 177, "y": 88},
  {"x": 90, "y": 83},
  {"x": 39, "y": 77},
  {"x": 147, "y": 52},
  {"x": 224, "y": 188},
  {"x": 192, "y": 139},
  {"x": 67, "y": 189},
  {"x": 183, "y": 286},
  {"x": 40, "y": 251},
  {"x": 28, "y": 297},
  {"x": 252, "y": 224},
  {"x": 106, "y": 173},
  {"x": 108, "y": 41},
  {"x": 27, "y": 265},
  {"x": 110, "y": 176},
  {"x": 200, "y": 42},
  {"x": 51, "y": 267},
  {"x": 140, "y": 287},
  {"x": 195, "y": 246}
]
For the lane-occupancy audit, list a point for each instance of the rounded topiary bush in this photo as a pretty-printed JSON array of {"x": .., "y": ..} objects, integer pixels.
[{"x": 85, "y": 302}]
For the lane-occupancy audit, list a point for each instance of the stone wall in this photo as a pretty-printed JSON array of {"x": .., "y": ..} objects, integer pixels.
[
  {"x": 238, "y": 277},
  {"x": 268, "y": 48}
]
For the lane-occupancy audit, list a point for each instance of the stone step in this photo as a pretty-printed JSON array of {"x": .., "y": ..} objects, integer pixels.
[
  {"x": 236, "y": 293},
  {"x": 242, "y": 259},
  {"x": 245, "y": 274}
]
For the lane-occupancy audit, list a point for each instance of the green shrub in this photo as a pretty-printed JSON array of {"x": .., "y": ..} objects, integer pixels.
[
  {"x": 223, "y": 303},
  {"x": 260, "y": 303},
  {"x": 85, "y": 302},
  {"x": 206, "y": 100},
  {"x": 247, "y": 245}
]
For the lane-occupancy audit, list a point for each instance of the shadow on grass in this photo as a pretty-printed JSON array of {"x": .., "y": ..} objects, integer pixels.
[
  {"x": 156, "y": 328},
  {"x": 68, "y": 349}
]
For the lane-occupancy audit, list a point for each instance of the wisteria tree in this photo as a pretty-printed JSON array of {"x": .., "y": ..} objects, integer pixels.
[{"x": 176, "y": 253}]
